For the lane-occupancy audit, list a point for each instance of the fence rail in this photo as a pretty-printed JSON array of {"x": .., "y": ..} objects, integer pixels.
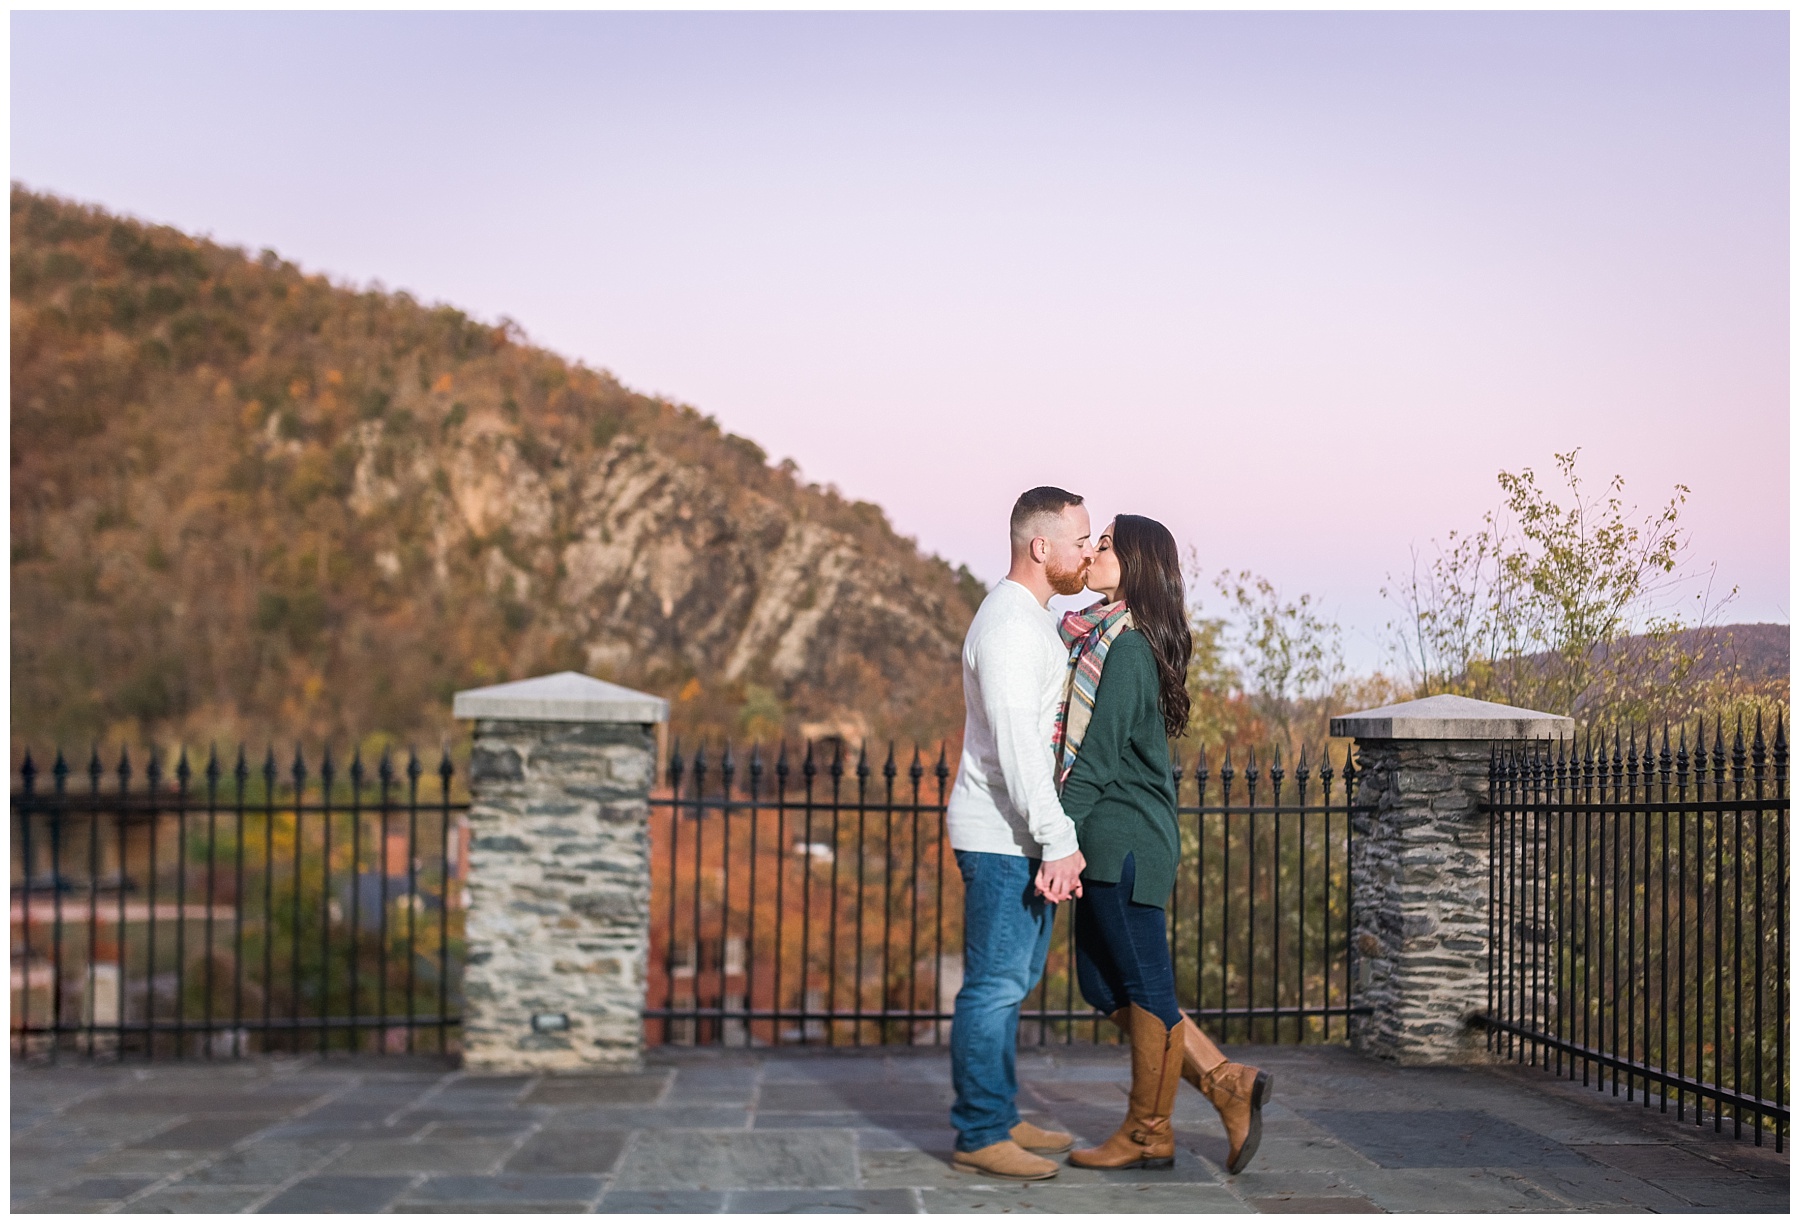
[
  {"x": 813, "y": 899},
  {"x": 238, "y": 911},
  {"x": 1639, "y": 903}
]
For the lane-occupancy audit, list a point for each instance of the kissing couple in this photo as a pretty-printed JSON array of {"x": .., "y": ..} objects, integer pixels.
[{"x": 1065, "y": 790}]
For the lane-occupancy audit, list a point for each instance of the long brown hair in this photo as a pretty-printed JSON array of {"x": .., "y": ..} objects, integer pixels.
[{"x": 1150, "y": 581}]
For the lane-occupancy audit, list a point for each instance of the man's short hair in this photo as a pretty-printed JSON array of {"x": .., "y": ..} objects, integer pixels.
[{"x": 1036, "y": 505}]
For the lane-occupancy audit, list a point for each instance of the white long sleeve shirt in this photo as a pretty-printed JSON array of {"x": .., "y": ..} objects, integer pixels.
[{"x": 1004, "y": 800}]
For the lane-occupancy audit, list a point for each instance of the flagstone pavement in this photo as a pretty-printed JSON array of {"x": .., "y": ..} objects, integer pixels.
[{"x": 837, "y": 1131}]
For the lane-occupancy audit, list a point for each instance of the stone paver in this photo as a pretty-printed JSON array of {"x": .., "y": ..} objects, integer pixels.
[
  {"x": 1052, "y": 1198},
  {"x": 711, "y": 1131},
  {"x": 513, "y": 1192},
  {"x": 424, "y": 1156},
  {"x": 568, "y": 1152},
  {"x": 662, "y": 1202},
  {"x": 338, "y": 1192},
  {"x": 197, "y": 1199},
  {"x": 739, "y": 1160},
  {"x": 1313, "y": 1204}
]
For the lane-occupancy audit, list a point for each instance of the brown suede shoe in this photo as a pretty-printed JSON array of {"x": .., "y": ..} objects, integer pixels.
[
  {"x": 1044, "y": 1142},
  {"x": 1005, "y": 1159},
  {"x": 1238, "y": 1091}
]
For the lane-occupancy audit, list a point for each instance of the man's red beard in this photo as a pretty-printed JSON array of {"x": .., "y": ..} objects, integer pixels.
[{"x": 1065, "y": 582}]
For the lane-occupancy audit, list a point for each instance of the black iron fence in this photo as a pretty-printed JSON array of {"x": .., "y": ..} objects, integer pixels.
[
  {"x": 1639, "y": 903},
  {"x": 811, "y": 898},
  {"x": 246, "y": 909}
]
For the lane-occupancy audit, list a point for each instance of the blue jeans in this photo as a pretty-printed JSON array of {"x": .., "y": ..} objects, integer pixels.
[
  {"x": 1006, "y": 934},
  {"x": 1122, "y": 950}
]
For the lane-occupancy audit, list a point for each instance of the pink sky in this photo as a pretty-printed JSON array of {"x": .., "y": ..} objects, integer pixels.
[{"x": 1297, "y": 284}]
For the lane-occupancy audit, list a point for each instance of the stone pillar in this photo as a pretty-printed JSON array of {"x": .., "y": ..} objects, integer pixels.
[
  {"x": 559, "y": 873},
  {"x": 1419, "y": 871}
]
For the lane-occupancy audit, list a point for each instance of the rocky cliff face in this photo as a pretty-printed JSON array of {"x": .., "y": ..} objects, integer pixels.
[{"x": 249, "y": 502}]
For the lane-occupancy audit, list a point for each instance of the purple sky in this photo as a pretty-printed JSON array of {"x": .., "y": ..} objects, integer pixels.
[{"x": 1297, "y": 284}]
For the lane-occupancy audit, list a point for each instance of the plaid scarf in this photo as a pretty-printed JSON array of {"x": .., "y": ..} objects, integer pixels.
[{"x": 1089, "y": 634}]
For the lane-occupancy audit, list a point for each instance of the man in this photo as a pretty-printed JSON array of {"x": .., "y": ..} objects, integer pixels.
[{"x": 1015, "y": 848}]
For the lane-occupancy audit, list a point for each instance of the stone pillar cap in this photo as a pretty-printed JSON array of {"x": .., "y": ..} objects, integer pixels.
[
  {"x": 565, "y": 697},
  {"x": 1448, "y": 717}
]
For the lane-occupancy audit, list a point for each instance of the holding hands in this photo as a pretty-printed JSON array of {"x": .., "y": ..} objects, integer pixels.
[{"x": 1060, "y": 879}]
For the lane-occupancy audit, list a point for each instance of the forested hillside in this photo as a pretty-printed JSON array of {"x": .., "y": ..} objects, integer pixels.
[{"x": 249, "y": 502}]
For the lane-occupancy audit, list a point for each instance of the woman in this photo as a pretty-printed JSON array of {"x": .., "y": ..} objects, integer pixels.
[{"x": 1124, "y": 699}]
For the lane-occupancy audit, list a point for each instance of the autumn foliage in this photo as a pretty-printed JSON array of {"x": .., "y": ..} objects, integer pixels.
[{"x": 248, "y": 502}]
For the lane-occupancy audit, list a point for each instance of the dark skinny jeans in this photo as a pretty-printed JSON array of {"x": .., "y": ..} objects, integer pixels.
[{"x": 1122, "y": 949}]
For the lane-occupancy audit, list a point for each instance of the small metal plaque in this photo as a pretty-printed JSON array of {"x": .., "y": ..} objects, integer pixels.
[{"x": 550, "y": 1022}]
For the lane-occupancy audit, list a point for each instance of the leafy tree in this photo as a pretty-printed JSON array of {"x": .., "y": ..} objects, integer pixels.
[
  {"x": 1270, "y": 671},
  {"x": 1565, "y": 601},
  {"x": 1288, "y": 651},
  {"x": 1220, "y": 715}
]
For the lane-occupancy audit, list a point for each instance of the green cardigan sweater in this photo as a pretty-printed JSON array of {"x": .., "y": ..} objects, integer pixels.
[{"x": 1121, "y": 793}]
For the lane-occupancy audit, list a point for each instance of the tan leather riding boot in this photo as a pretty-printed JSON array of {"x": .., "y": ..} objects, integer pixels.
[
  {"x": 1238, "y": 1091},
  {"x": 1145, "y": 1140},
  {"x": 1198, "y": 1053}
]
